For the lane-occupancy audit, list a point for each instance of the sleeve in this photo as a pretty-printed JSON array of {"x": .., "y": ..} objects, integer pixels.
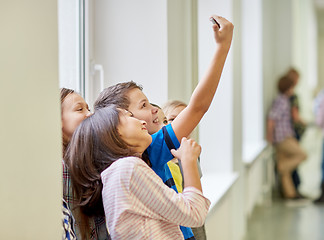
[
  {"x": 68, "y": 223},
  {"x": 160, "y": 202},
  {"x": 67, "y": 194},
  {"x": 159, "y": 150}
]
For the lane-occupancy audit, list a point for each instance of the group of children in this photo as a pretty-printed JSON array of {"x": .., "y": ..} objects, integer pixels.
[{"x": 116, "y": 173}]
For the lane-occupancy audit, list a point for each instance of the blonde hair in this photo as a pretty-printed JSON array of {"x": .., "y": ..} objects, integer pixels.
[{"x": 171, "y": 105}]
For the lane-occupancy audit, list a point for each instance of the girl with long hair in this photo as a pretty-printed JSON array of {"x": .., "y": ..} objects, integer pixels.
[{"x": 110, "y": 175}]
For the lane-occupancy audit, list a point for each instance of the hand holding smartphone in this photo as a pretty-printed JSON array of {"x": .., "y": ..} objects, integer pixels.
[{"x": 213, "y": 20}]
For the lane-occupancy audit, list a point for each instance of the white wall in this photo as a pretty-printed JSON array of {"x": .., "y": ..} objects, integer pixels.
[
  {"x": 30, "y": 175},
  {"x": 182, "y": 49},
  {"x": 305, "y": 54},
  {"x": 320, "y": 18},
  {"x": 215, "y": 129},
  {"x": 131, "y": 43}
]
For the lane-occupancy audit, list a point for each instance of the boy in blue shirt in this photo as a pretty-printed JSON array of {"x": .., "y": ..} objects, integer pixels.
[{"x": 129, "y": 96}]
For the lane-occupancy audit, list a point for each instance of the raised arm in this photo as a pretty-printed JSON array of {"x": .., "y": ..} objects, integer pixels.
[{"x": 203, "y": 94}]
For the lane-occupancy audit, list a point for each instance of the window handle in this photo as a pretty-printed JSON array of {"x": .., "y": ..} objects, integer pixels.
[{"x": 99, "y": 68}]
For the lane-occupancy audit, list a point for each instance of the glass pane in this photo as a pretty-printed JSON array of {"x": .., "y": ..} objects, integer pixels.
[{"x": 69, "y": 31}]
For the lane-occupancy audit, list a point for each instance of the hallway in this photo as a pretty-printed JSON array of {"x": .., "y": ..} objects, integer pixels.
[{"x": 282, "y": 220}]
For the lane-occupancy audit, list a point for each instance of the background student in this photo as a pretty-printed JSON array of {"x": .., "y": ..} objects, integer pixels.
[
  {"x": 280, "y": 132},
  {"x": 299, "y": 125}
]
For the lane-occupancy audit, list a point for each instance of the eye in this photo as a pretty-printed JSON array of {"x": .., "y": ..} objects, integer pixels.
[
  {"x": 130, "y": 113},
  {"x": 165, "y": 121},
  {"x": 144, "y": 105},
  {"x": 170, "y": 120}
]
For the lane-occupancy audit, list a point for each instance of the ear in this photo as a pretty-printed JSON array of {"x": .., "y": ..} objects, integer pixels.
[{"x": 119, "y": 132}]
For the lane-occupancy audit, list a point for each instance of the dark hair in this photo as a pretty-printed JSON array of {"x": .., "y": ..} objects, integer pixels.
[
  {"x": 94, "y": 146},
  {"x": 116, "y": 94},
  {"x": 155, "y": 105},
  {"x": 64, "y": 92},
  {"x": 285, "y": 83},
  {"x": 293, "y": 74}
]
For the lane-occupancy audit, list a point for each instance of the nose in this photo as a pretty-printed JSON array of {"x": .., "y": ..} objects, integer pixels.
[
  {"x": 143, "y": 123},
  {"x": 89, "y": 113},
  {"x": 154, "y": 109}
]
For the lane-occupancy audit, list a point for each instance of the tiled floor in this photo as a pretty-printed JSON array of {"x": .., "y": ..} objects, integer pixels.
[{"x": 282, "y": 220}]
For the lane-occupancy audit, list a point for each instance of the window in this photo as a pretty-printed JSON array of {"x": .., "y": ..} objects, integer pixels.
[
  {"x": 252, "y": 78},
  {"x": 70, "y": 25}
]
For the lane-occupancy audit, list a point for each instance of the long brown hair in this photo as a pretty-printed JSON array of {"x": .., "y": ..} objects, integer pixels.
[{"x": 94, "y": 146}]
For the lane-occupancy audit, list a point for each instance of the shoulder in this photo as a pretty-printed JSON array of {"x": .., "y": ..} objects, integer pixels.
[
  {"x": 281, "y": 99},
  {"x": 122, "y": 171},
  {"x": 165, "y": 135},
  {"x": 123, "y": 165}
]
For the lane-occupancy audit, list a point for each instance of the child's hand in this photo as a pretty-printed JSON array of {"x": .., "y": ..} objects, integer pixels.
[
  {"x": 189, "y": 150},
  {"x": 224, "y": 34}
]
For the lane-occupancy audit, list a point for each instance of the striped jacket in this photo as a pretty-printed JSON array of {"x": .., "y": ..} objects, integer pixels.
[{"x": 138, "y": 205}]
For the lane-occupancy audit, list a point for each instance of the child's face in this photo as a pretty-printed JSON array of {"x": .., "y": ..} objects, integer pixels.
[
  {"x": 74, "y": 110},
  {"x": 141, "y": 108},
  {"x": 174, "y": 113},
  {"x": 133, "y": 131},
  {"x": 162, "y": 118}
]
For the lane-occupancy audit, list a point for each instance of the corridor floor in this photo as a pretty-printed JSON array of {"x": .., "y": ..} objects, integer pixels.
[{"x": 282, "y": 220}]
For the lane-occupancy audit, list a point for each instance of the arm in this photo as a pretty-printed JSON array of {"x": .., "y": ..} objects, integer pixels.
[
  {"x": 188, "y": 153},
  {"x": 295, "y": 109},
  {"x": 270, "y": 130},
  {"x": 203, "y": 94},
  {"x": 155, "y": 200},
  {"x": 295, "y": 114}
]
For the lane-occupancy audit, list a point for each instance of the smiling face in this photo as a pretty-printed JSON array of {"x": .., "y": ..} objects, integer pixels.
[
  {"x": 141, "y": 108},
  {"x": 133, "y": 131},
  {"x": 74, "y": 110}
]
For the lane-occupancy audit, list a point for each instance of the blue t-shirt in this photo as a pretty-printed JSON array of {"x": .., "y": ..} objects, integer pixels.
[{"x": 159, "y": 154}]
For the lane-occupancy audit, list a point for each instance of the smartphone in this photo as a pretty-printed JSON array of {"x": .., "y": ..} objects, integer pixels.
[{"x": 214, "y": 21}]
